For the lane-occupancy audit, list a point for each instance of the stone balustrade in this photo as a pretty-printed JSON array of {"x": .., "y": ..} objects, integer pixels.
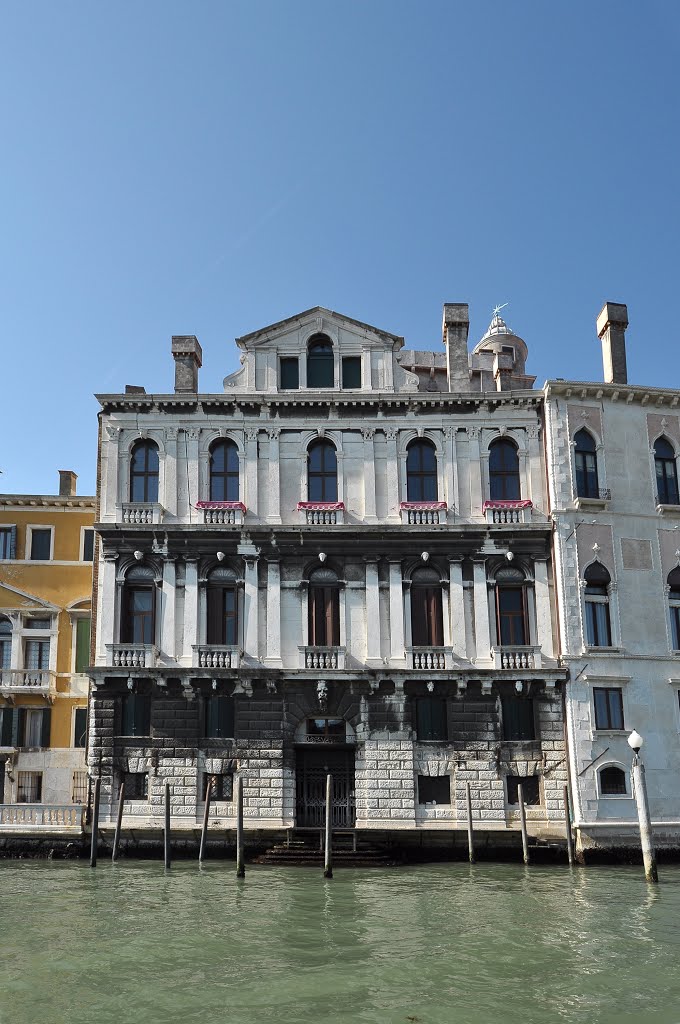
[
  {"x": 217, "y": 656},
  {"x": 132, "y": 655},
  {"x": 515, "y": 658},
  {"x": 140, "y": 513},
  {"x": 42, "y": 815},
  {"x": 423, "y": 513},
  {"x": 507, "y": 513},
  {"x": 429, "y": 658},
  {"x": 222, "y": 513},
  {"x": 322, "y": 657},
  {"x": 321, "y": 513},
  {"x": 28, "y": 681}
]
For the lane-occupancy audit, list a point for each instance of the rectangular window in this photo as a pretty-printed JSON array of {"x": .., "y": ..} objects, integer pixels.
[
  {"x": 222, "y": 615},
  {"x": 530, "y": 789},
  {"x": 79, "y": 727},
  {"x": 675, "y": 626},
  {"x": 41, "y": 544},
  {"x": 8, "y": 536},
  {"x": 29, "y": 787},
  {"x": 34, "y": 727},
  {"x": 511, "y": 612},
  {"x": 222, "y": 785},
  {"x": 219, "y": 717},
  {"x": 88, "y": 545},
  {"x": 136, "y": 717},
  {"x": 351, "y": 372},
  {"x": 5, "y": 652},
  {"x": 7, "y": 720},
  {"x": 608, "y": 707},
  {"x": 518, "y": 718},
  {"x": 136, "y": 785},
  {"x": 431, "y": 724},
  {"x": 434, "y": 789},
  {"x": 79, "y": 789},
  {"x": 82, "y": 645},
  {"x": 37, "y": 655},
  {"x": 324, "y": 617},
  {"x": 289, "y": 373}
]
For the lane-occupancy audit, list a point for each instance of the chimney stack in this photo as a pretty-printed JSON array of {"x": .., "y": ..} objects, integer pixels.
[
  {"x": 455, "y": 327},
  {"x": 611, "y": 329},
  {"x": 188, "y": 357},
  {"x": 67, "y": 483}
]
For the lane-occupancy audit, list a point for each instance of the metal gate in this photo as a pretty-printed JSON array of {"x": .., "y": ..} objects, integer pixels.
[{"x": 312, "y": 768}]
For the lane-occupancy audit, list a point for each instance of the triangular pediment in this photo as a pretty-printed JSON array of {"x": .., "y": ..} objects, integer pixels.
[
  {"x": 324, "y": 318},
  {"x": 13, "y": 597}
]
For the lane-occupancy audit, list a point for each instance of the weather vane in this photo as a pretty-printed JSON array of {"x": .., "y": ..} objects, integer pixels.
[{"x": 497, "y": 309}]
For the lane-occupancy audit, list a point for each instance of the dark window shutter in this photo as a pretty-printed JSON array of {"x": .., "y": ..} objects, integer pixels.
[
  {"x": 7, "y": 715},
  {"x": 82, "y": 644},
  {"x": 21, "y": 728},
  {"x": 127, "y": 723},
  {"x": 211, "y": 718},
  {"x": 45, "y": 727},
  {"x": 80, "y": 728},
  {"x": 226, "y": 716}
]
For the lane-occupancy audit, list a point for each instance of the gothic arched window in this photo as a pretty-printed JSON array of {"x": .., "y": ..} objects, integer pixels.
[
  {"x": 587, "y": 484},
  {"x": 666, "y": 473},
  {"x": 598, "y": 624},
  {"x": 421, "y": 472},
  {"x": 674, "y": 606},
  {"x": 503, "y": 471}
]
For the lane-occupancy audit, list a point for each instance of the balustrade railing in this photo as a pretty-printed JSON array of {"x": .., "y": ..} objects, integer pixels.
[
  {"x": 507, "y": 513},
  {"x": 425, "y": 658},
  {"x": 321, "y": 513},
  {"x": 217, "y": 656},
  {"x": 222, "y": 513},
  {"x": 27, "y": 680},
  {"x": 423, "y": 513},
  {"x": 141, "y": 513},
  {"x": 516, "y": 658},
  {"x": 132, "y": 655},
  {"x": 60, "y": 815},
  {"x": 322, "y": 657}
]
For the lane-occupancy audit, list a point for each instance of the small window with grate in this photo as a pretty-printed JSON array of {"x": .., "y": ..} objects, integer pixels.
[
  {"x": 79, "y": 789},
  {"x": 136, "y": 785},
  {"x": 434, "y": 789},
  {"x": 613, "y": 781},
  {"x": 221, "y": 785},
  {"x": 530, "y": 789},
  {"x": 29, "y": 787}
]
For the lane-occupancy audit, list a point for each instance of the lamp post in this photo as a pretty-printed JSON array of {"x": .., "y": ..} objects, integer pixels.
[{"x": 635, "y": 742}]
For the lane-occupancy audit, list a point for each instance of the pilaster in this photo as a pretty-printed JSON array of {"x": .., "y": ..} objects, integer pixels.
[
  {"x": 397, "y": 650},
  {"x": 482, "y": 625},
  {"x": 273, "y": 653}
]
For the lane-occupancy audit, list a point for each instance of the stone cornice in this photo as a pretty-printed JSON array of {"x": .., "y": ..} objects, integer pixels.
[
  {"x": 46, "y": 501},
  {"x": 625, "y": 393}
]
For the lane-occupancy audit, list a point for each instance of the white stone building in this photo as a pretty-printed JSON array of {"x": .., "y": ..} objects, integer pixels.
[
  {"x": 612, "y": 465},
  {"x": 342, "y": 561}
]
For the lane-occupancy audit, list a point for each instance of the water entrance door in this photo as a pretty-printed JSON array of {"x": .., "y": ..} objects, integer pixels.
[{"x": 313, "y": 765}]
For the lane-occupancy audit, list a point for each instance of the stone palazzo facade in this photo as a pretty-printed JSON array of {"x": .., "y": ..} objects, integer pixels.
[{"x": 342, "y": 563}]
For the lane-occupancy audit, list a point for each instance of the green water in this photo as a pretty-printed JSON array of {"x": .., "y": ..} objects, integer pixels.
[{"x": 433, "y": 945}]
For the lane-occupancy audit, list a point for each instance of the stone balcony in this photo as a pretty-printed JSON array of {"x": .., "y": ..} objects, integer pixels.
[
  {"x": 516, "y": 658},
  {"x": 132, "y": 656},
  {"x": 424, "y": 659},
  {"x": 593, "y": 502},
  {"x": 321, "y": 513},
  {"x": 217, "y": 656},
  {"x": 42, "y": 815},
  {"x": 507, "y": 513},
  {"x": 140, "y": 513},
  {"x": 222, "y": 513},
  {"x": 423, "y": 513},
  {"x": 324, "y": 658},
  {"x": 38, "y": 681}
]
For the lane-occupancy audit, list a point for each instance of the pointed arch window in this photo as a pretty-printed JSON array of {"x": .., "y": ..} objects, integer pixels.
[
  {"x": 138, "y": 618},
  {"x": 320, "y": 362},
  {"x": 421, "y": 472},
  {"x": 666, "y": 473},
  {"x": 144, "y": 472},
  {"x": 427, "y": 618},
  {"x": 322, "y": 472},
  {"x": 504, "y": 471},
  {"x": 598, "y": 623},
  {"x": 5, "y": 642},
  {"x": 224, "y": 471},
  {"x": 674, "y": 606},
  {"x": 511, "y": 608},
  {"x": 587, "y": 483},
  {"x": 324, "y": 609},
  {"x": 222, "y": 607}
]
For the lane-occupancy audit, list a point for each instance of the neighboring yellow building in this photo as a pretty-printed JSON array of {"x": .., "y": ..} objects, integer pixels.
[{"x": 46, "y": 552}]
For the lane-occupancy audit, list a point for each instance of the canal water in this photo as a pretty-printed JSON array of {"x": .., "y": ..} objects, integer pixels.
[{"x": 444, "y": 944}]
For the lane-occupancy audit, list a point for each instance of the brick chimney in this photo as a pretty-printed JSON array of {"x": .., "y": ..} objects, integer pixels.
[
  {"x": 611, "y": 329},
  {"x": 67, "y": 483},
  {"x": 455, "y": 327},
  {"x": 188, "y": 357}
]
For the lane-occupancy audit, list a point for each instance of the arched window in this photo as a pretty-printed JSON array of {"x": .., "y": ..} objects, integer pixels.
[
  {"x": 421, "y": 472},
  {"x": 612, "y": 781},
  {"x": 674, "y": 606},
  {"x": 144, "y": 472},
  {"x": 666, "y": 473},
  {"x": 511, "y": 608},
  {"x": 138, "y": 611},
  {"x": 223, "y": 471},
  {"x": 322, "y": 472},
  {"x": 320, "y": 363},
  {"x": 5, "y": 642},
  {"x": 324, "y": 609},
  {"x": 427, "y": 619},
  {"x": 587, "y": 484},
  {"x": 222, "y": 601},
  {"x": 503, "y": 471},
  {"x": 598, "y": 625}
]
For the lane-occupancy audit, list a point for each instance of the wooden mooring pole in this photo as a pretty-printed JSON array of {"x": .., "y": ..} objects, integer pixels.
[
  {"x": 119, "y": 821},
  {"x": 240, "y": 862},
  {"x": 523, "y": 823},
  {"x": 328, "y": 845},
  {"x": 567, "y": 825},
  {"x": 166, "y": 830},
  {"x": 206, "y": 816},
  {"x": 95, "y": 822},
  {"x": 470, "y": 835}
]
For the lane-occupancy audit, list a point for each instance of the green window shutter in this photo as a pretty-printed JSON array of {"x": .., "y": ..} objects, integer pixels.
[
  {"x": 45, "y": 727},
  {"x": 226, "y": 716},
  {"x": 82, "y": 644}
]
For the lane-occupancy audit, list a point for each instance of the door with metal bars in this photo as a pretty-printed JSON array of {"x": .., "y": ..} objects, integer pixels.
[{"x": 312, "y": 767}]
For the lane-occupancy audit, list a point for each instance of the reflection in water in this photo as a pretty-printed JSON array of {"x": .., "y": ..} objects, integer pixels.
[{"x": 469, "y": 943}]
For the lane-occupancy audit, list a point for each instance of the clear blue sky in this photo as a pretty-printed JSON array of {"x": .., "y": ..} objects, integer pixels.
[{"x": 211, "y": 167}]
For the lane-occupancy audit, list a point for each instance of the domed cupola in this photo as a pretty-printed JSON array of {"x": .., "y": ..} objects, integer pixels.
[{"x": 500, "y": 356}]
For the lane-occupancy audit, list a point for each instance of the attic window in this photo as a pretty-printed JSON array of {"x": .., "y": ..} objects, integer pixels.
[
  {"x": 351, "y": 372},
  {"x": 508, "y": 350},
  {"x": 320, "y": 362},
  {"x": 289, "y": 373}
]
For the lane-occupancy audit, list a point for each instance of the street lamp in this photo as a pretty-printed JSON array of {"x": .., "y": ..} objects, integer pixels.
[{"x": 635, "y": 742}]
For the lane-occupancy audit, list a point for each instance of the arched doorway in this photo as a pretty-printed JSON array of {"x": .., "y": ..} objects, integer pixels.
[{"x": 324, "y": 745}]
